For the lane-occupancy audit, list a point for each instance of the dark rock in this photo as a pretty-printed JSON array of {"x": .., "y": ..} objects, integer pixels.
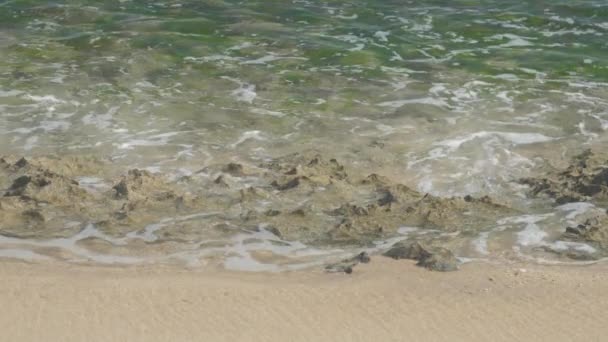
[
  {"x": 298, "y": 212},
  {"x": 121, "y": 189},
  {"x": 440, "y": 259},
  {"x": 233, "y": 169},
  {"x": 570, "y": 253},
  {"x": 220, "y": 181},
  {"x": 348, "y": 264},
  {"x": 19, "y": 185},
  {"x": 594, "y": 231},
  {"x": 401, "y": 250},
  {"x": 585, "y": 178},
  {"x": 272, "y": 212},
  {"x": 386, "y": 198},
  {"x": 274, "y": 231},
  {"x": 362, "y": 257},
  {"x": 435, "y": 259},
  {"x": 33, "y": 215},
  {"x": 22, "y": 163},
  {"x": 286, "y": 186}
]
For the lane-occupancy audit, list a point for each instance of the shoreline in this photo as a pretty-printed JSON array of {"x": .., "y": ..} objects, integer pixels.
[{"x": 385, "y": 300}]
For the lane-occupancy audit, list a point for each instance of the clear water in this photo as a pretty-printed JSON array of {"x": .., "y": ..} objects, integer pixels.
[{"x": 451, "y": 97}]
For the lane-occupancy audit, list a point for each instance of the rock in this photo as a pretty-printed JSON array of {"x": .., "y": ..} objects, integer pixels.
[
  {"x": 440, "y": 259},
  {"x": 570, "y": 253},
  {"x": 435, "y": 259},
  {"x": 122, "y": 190},
  {"x": 402, "y": 250},
  {"x": 220, "y": 180},
  {"x": 272, "y": 212},
  {"x": 287, "y": 185},
  {"x": 585, "y": 178},
  {"x": 593, "y": 231},
  {"x": 234, "y": 169},
  {"x": 33, "y": 215},
  {"x": 304, "y": 196},
  {"x": 348, "y": 264}
]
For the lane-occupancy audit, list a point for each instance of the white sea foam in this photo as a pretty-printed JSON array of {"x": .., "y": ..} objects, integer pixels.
[
  {"x": 531, "y": 234},
  {"x": 10, "y": 93},
  {"x": 248, "y": 135},
  {"x": 30, "y": 143},
  {"x": 382, "y": 35},
  {"x": 347, "y": 17},
  {"x": 425, "y": 100},
  {"x": 93, "y": 184},
  {"x": 569, "y": 245},
  {"x": 514, "y": 40},
  {"x": 481, "y": 243},
  {"x": 245, "y": 92},
  {"x": 44, "y": 98},
  {"x": 153, "y": 140},
  {"x": 22, "y": 254},
  {"x": 262, "y": 111},
  {"x": 270, "y": 58},
  {"x": 512, "y": 137}
]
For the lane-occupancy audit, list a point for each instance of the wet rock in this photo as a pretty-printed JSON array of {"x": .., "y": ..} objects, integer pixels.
[
  {"x": 402, "y": 250},
  {"x": 386, "y": 198},
  {"x": 298, "y": 212},
  {"x": 362, "y": 257},
  {"x": 308, "y": 164},
  {"x": 220, "y": 180},
  {"x": 586, "y": 178},
  {"x": 33, "y": 215},
  {"x": 348, "y": 264},
  {"x": 287, "y": 185},
  {"x": 440, "y": 259},
  {"x": 571, "y": 253},
  {"x": 22, "y": 163},
  {"x": 593, "y": 231},
  {"x": 376, "y": 143},
  {"x": 234, "y": 169},
  {"x": 272, "y": 212},
  {"x": 141, "y": 188},
  {"x": 121, "y": 189},
  {"x": 274, "y": 231},
  {"x": 303, "y": 196},
  {"x": 252, "y": 194},
  {"x": 432, "y": 258},
  {"x": 18, "y": 186}
]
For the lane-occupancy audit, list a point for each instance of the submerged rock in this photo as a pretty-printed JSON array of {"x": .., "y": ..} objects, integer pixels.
[
  {"x": 586, "y": 178},
  {"x": 570, "y": 253},
  {"x": 433, "y": 258},
  {"x": 593, "y": 231},
  {"x": 302, "y": 196}
]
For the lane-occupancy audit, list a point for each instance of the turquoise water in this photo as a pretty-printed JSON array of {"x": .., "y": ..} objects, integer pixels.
[{"x": 450, "y": 97}]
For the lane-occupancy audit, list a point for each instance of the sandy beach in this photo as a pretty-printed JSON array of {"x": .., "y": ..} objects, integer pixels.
[{"x": 384, "y": 300}]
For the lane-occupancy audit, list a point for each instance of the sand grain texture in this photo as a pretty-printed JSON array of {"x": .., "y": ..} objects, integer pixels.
[{"x": 385, "y": 300}]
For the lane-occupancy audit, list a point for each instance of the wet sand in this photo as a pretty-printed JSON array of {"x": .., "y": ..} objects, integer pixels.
[{"x": 384, "y": 300}]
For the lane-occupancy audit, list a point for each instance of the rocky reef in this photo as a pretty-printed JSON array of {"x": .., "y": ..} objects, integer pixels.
[
  {"x": 585, "y": 179},
  {"x": 303, "y": 196}
]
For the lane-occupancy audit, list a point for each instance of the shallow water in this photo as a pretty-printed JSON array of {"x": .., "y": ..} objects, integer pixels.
[{"x": 449, "y": 97}]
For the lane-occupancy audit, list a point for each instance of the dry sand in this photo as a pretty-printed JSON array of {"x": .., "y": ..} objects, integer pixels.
[{"x": 385, "y": 300}]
